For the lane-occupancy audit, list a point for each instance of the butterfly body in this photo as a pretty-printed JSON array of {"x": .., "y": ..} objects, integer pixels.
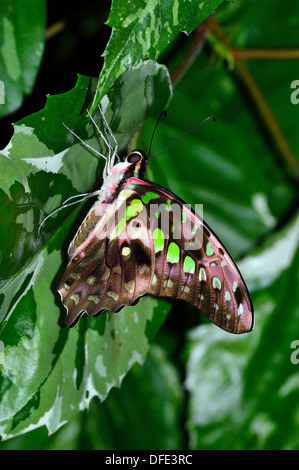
[{"x": 141, "y": 239}]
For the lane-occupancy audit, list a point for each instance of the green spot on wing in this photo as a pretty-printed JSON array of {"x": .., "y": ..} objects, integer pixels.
[
  {"x": 173, "y": 253},
  {"x": 137, "y": 205},
  {"x": 216, "y": 283},
  {"x": 240, "y": 310},
  {"x": 130, "y": 212},
  {"x": 118, "y": 229},
  {"x": 202, "y": 275},
  {"x": 75, "y": 276},
  {"x": 113, "y": 295},
  {"x": 168, "y": 283},
  {"x": 209, "y": 249},
  {"x": 130, "y": 286},
  {"x": 134, "y": 208},
  {"x": 94, "y": 298},
  {"x": 125, "y": 194},
  {"x": 168, "y": 206},
  {"x": 148, "y": 196},
  {"x": 159, "y": 238},
  {"x": 91, "y": 280},
  {"x": 227, "y": 296},
  {"x": 106, "y": 275},
  {"x": 125, "y": 251},
  {"x": 189, "y": 265},
  {"x": 75, "y": 298}
]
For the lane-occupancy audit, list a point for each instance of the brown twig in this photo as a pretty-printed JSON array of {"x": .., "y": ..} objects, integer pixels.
[
  {"x": 259, "y": 100},
  {"x": 55, "y": 28},
  {"x": 75, "y": 15},
  {"x": 281, "y": 54},
  {"x": 198, "y": 40}
]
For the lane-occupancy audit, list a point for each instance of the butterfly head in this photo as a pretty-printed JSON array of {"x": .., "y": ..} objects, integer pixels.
[{"x": 137, "y": 160}]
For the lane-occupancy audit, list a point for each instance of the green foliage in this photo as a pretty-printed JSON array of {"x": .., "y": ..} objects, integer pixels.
[
  {"x": 253, "y": 390},
  {"x": 151, "y": 394},
  {"x": 22, "y": 24},
  {"x": 198, "y": 384},
  {"x": 142, "y": 30}
]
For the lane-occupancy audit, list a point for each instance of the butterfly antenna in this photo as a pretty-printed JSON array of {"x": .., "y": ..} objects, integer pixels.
[
  {"x": 66, "y": 203},
  {"x": 191, "y": 130},
  {"x": 104, "y": 137},
  {"x": 112, "y": 135},
  {"x": 82, "y": 141},
  {"x": 164, "y": 113}
]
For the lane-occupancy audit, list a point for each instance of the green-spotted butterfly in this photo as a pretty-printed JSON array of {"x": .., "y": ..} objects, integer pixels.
[{"x": 141, "y": 239}]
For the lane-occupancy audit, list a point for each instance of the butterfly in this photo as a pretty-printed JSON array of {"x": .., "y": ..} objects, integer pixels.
[{"x": 140, "y": 239}]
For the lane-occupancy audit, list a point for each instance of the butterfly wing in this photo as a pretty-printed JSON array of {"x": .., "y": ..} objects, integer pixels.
[
  {"x": 147, "y": 241},
  {"x": 111, "y": 259},
  {"x": 191, "y": 263}
]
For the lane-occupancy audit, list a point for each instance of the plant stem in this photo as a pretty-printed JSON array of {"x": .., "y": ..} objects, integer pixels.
[
  {"x": 198, "y": 40},
  {"x": 265, "y": 53},
  {"x": 270, "y": 120},
  {"x": 259, "y": 100},
  {"x": 55, "y": 28}
]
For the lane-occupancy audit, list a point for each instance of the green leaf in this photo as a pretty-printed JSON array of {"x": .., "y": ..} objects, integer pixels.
[
  {"x": 50, "y": 371},
  {"x": 21, "y": 49},
  {"x": 250, "y": 389},
  {"x": 144, "y": 389},
  {"x": 143, "y": 29},
  {"x": 266, "y": 263},
  {"x": 104, "y": 425}
]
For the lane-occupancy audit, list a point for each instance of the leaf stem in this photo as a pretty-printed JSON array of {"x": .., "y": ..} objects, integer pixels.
[
  {"x": 259, "y": 100},
  {"x": 55, "y": 28},
  {"x": 265, "y": 53},
  {"x": 198, "y": 40}
]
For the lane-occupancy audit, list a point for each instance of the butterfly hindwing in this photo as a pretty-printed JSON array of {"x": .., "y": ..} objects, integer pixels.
[{"x": 192, "y": 264}]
